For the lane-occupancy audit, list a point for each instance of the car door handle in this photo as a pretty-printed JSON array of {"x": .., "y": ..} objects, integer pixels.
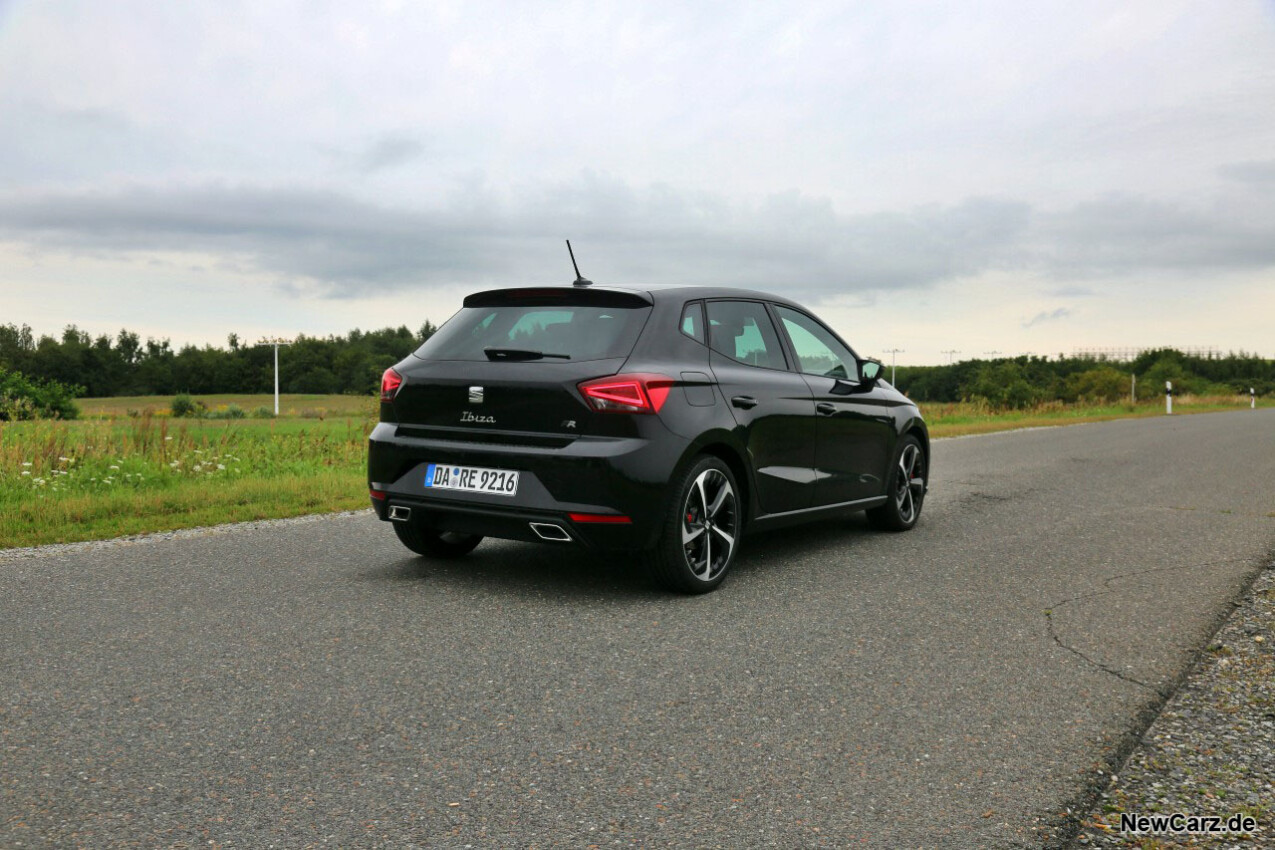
[
  {"x": 826, "y": 408},
  {"x": 744, "y": 402}
]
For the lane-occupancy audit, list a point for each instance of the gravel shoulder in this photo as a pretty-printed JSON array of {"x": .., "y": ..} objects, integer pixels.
[{"x": 1211, "y": 751}]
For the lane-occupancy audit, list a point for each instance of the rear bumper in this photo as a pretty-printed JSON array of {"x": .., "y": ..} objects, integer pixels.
[{"x": 597, "y": 476}]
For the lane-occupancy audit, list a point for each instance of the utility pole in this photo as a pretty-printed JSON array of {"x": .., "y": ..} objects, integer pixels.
[
  {"x": 949, "y": 353},
  {"x": 991, "y": 354},
  {"x": 892, "y": 352},
  {"x": 276, "y": 342}
]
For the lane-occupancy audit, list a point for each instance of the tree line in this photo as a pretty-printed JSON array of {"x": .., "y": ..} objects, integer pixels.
[
  {"x": 124, "y": 365},
  {"x": 1019, "y": 382},
  {"x": 53, "y": 369}
]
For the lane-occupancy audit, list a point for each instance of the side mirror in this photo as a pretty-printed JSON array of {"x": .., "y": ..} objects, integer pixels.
[{"x": 869, "y": 371}]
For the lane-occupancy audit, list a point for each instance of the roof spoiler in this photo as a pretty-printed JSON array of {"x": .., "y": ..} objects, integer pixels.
[{"x": 548, "y": 296}]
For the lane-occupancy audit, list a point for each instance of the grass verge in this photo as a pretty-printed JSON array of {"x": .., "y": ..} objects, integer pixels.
[
  {"x": 290, "y": 405},
  {"x": 190, "y": 504},
  {"x": 63, "y": 482},
  {"x": 966, "y": 418}
]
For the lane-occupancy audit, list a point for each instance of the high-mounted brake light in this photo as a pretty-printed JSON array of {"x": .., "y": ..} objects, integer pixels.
[
  {"x": 627, "y": 393},
  {"x": 390, "y": 382}
]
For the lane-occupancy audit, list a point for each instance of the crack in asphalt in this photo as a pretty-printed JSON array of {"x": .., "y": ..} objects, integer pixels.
[
  {"x": 1049, "y": 625},
  {"x": 1106, "y": 582}
]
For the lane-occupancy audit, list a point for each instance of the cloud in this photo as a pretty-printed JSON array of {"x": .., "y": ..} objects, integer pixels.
[
  {"x": 1072, "y": 292},
  {"x": 390, "y": 151},
  {"x": 1120, "y": 234},
  {"x": 1258, "y": 174},
  {"x": 331, "y": 243},
  {"x": 42, "y": 142},
  {"x": 1048, "y": 316},
  {"x": 623, "y": 235}
]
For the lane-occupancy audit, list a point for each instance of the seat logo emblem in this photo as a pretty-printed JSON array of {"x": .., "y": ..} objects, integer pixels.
[{"x": 475, "y": 395}]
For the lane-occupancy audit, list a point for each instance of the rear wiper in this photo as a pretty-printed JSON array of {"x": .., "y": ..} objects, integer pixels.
[{"x": 520, "y": 354}]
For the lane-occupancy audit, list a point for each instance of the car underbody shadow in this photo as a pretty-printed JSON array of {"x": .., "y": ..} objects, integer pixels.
[
  {"x": 502, "y": 566},
  {"x": 806, "y": 539}
]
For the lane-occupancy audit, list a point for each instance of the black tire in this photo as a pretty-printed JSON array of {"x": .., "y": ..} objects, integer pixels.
[
  {"x": 905, "y": 488},
  {"x": 704, "y": 511},
  {"x": 433, "y": 543}
]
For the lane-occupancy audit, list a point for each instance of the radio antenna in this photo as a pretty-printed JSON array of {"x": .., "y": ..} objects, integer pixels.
[{"x": 580, "y": 281}]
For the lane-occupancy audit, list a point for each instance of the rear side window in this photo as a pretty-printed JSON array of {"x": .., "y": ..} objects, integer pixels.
[
  {"x": 558, "y": 331},
  {"x": 693, "y": 322},
  {"x": 742, "y": 330}
]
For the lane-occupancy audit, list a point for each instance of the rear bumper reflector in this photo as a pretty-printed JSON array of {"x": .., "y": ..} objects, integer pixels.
[
  {"x": 618, "y": 519},
  {"x": 379, "y": 495}
]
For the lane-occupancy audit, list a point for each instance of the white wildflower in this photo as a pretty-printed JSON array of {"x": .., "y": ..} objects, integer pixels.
[
  {"x": 26, "y": 463},
  {"x": 221, "y": 466},
  {"x": 26, "y": 472},
  {"x": 168, "y": 439},
  {"x": 113, "y": 466}
]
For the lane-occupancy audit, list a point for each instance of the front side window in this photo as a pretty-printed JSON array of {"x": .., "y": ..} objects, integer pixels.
[
  {"x": 742, "y": 330},
  {"x": 818, "y": 351}
]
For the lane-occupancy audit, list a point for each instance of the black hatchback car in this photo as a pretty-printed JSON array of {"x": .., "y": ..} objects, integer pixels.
[{"x": 664, "y": 422}]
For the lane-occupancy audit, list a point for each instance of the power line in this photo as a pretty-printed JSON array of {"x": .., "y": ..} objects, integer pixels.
[{"x": 1126, "y": 354}]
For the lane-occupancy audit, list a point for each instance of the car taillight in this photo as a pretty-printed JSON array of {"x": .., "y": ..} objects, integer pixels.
[
  {"x": 627, "y": 393},
  {"x": 390, "y": 382}
]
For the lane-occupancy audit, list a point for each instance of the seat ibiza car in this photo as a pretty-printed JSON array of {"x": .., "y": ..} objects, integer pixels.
[{"x": 664, "y": 423}]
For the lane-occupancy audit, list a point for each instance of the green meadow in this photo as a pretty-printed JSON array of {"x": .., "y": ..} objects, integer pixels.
[{"x": 95, "y": 479}]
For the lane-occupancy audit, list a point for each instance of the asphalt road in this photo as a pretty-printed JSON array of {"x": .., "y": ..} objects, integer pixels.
[{"x": 956, "y": 686}]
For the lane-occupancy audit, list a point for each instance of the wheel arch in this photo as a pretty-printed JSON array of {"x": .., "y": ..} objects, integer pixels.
[{"x": 915, "y": 426}]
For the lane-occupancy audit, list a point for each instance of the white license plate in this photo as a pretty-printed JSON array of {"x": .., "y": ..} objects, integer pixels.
[{"x": 471, "y": 479}]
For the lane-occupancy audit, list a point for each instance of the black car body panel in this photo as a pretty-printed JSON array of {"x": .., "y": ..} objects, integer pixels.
[{"x": 800, "y": 445}]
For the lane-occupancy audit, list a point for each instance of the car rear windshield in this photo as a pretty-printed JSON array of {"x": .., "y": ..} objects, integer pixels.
[{"x": 552, "y": 332}]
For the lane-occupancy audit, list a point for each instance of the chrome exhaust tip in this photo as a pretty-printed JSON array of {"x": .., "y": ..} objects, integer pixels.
[
  {"x": 398, "y": 513},
  {"x": 549, "y": 531}
]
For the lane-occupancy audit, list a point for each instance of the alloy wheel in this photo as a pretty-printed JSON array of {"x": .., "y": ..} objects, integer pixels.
[
  {"x": 710, "y": 524},
  {"x": 911, "y": 485}
]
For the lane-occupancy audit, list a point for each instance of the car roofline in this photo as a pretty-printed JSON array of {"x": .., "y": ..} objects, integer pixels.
[{"x": 669, "y": 291}]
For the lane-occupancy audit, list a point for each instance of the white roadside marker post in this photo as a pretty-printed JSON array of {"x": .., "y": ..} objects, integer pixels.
[
  {"x": 1168, "y": 397},
  {"x": 1252, "y": 399},
  {"x": 1133, "y": 389}
]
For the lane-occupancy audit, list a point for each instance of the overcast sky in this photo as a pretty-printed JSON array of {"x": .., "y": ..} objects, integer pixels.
[{"x": 996, "y": 176}]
